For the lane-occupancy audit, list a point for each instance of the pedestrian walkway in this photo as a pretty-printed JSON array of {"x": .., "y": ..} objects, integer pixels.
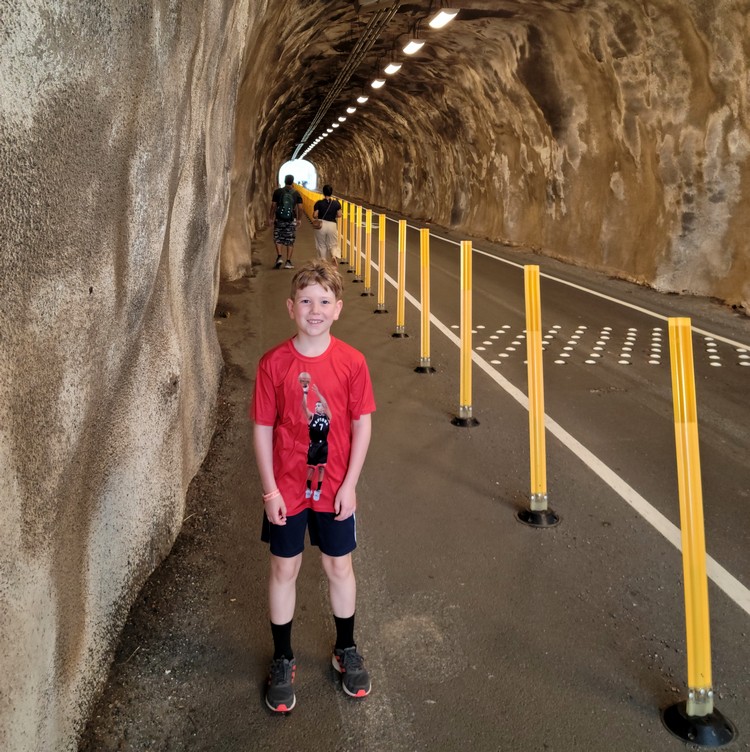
[{"x": 479, "y": 633}]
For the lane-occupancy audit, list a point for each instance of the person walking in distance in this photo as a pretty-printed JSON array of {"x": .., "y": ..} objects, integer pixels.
[
  {"x": 317, "y": 363},
  {"x": 328, "y": 209},
  {"x": 285, "y": 216}
]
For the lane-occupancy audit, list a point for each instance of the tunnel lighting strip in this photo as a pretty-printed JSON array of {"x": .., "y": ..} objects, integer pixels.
[
  {"x": 653, "y": 314},
  {"x": 731, "y": 586},
  {"x": 370, "y": 35}
]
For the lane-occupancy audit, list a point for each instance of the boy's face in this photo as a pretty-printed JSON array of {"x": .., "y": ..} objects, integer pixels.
[{"x": 314, "y": 309}]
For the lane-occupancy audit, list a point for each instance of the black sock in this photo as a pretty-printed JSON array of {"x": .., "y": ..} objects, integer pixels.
[
  {"x": 344, "y": 632},
  {"x": 282, "y": 640}
]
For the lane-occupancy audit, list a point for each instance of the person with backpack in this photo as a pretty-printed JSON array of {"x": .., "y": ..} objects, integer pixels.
[{"x": 285, "y": 216}]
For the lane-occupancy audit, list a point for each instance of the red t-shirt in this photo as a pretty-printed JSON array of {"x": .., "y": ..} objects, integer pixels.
[{"x": 283, "y": 379}]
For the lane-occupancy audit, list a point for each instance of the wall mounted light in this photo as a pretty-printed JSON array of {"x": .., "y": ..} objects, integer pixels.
[
  {"x": 392, "y": 68},
  {"x": 377, "y": 83},
  {"x": 362, "y": 99},
  {"x": 351, "y": 110},
  {"x": 443, "y": 17},
  {"x": 413, "y": 45}
]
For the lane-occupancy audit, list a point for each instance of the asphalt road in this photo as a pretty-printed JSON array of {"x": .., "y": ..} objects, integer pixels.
[{"x": 480, "y": 633}]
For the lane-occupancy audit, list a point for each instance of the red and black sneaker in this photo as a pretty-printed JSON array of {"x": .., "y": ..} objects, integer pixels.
[
  {"x": 280, "y": 693},
  {"x": 355, "y": 680}
]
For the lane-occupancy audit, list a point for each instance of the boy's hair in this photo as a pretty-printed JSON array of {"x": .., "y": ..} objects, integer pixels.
[
  {"x": 327, "y": 190},
  {"x": 318, "y": 272},
  {"x": 289, "y": 179}
]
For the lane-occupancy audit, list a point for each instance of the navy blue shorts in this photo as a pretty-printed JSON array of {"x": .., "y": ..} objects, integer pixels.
[{"x": 332, "y": 537}]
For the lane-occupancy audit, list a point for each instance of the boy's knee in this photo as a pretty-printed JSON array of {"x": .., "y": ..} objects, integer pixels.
[{"x": 338, "y": 567}]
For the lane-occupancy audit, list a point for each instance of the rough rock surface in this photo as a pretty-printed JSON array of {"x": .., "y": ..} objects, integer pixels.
[
  {"x": 613, "y": 134},
  {"x": 138, "y": 146},
  {"x": 117, "y": 124}
]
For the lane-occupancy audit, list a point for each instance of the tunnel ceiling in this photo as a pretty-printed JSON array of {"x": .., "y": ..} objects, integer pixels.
[{"x": 614, "y": 134}]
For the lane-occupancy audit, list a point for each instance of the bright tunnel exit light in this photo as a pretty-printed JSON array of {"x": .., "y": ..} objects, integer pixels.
[
  {"x": 445, "y": 16},
  {"x": 413, "y": 45}
]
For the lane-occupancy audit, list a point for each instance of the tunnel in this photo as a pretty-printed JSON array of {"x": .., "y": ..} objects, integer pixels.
[{"x": 140, "y": 146}]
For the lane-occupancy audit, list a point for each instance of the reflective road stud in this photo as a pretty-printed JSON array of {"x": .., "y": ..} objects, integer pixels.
[
  {"x": 694, "y": 720},
  {"x": 539, "y": 514},
  {"x": 464, "y": 417},
  {"x": 401, "y": 294},
  {"x": 424, "y": 258}
]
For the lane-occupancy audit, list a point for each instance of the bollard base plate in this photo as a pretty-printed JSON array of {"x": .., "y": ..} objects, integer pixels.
[
  {"x": 542, "y": 518},
  {"x": 367, "y": 294},
  {"x": 712, "y": 730},
  {"x": 380, "y": 310},
  {"x": 464, "y": 422},
  {"x": 400, "y": 335},
  {"x": 424, "y": 369}
]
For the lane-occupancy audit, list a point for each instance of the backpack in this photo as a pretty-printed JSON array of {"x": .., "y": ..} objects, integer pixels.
[{"x": 286, "y": 207}]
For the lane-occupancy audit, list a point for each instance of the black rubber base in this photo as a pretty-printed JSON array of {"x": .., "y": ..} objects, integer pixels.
[
  {"x": 424, "y": 369},
  {"x": 464, "y": 422},
  {"x": 712, "y": 730},
  {"x": 380, "y": 310},
  {"x": 399, "y": 335},
  {"x": 367, "y": 295},
  {"x": 547, "y": 518},
  {"x": 357, "y": 281}
]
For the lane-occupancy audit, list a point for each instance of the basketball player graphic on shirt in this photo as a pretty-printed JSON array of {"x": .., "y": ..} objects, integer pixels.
[{"x": 319, "y": 423}]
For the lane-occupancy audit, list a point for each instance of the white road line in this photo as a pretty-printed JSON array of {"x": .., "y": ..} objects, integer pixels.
[{"x": 726, "y": 581}]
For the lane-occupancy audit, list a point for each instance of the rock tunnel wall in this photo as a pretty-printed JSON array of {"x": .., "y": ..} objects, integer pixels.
[
  {"x": 138, "y": 147},
  {"x": 117, "y": 136},
  {"x": 614, "y": 135}
]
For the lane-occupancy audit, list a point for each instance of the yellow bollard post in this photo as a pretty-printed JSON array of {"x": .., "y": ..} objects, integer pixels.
[
  {"x": 465, "y": 418},
  {"x": 358, "y": 257},
  {"x": 352, "y": 237},
  {"x": 380, "y": 307},
  {"x": 424, "y": 266},
  {"x": 538, "y": 515},
  {"x": 694, "y": 720},
  {"x": 401, "y": 290},
  {"x": 344, "y": 233},
  {"x": 368, "y": 254}
]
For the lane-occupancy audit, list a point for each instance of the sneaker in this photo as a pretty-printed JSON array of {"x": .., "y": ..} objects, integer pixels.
[
  {"x": 308, "y": 493},
  {"x": 278, "y": 263},
  {"x": 316, "y": 495},
  {"x": 355, "y": 680},
  {"x": 280, "y": 693},
  {"x": 288, "y": 265}
]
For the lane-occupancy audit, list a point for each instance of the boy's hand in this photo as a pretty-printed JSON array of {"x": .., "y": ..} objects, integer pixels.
[
  {"x": 345, "y": 504},
  {"x": 276, "y": 510}
]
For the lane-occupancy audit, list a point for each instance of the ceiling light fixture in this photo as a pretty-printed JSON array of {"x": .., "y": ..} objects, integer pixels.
[
  {"x": 392, "y": 68},
  {"x": 377, "y": 83},
  {"x": 335, "y": 125},
  {"x": 413, "y": 45},
  {"x": 362, "y": 99},
  {"x": 445, "y": 16},
  {"x": 351, "y": 110},
  {"x": 342, "y": 118}
]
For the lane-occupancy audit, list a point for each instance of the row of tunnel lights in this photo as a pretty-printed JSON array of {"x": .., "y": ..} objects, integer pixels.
[{"x": 438, "y": 21}]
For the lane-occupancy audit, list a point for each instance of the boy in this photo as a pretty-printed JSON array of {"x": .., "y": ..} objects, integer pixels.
[{"x": 292, "y": 446}]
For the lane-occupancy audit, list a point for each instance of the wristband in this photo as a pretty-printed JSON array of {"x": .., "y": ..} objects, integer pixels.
[{"x": 271, "y": 494}]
